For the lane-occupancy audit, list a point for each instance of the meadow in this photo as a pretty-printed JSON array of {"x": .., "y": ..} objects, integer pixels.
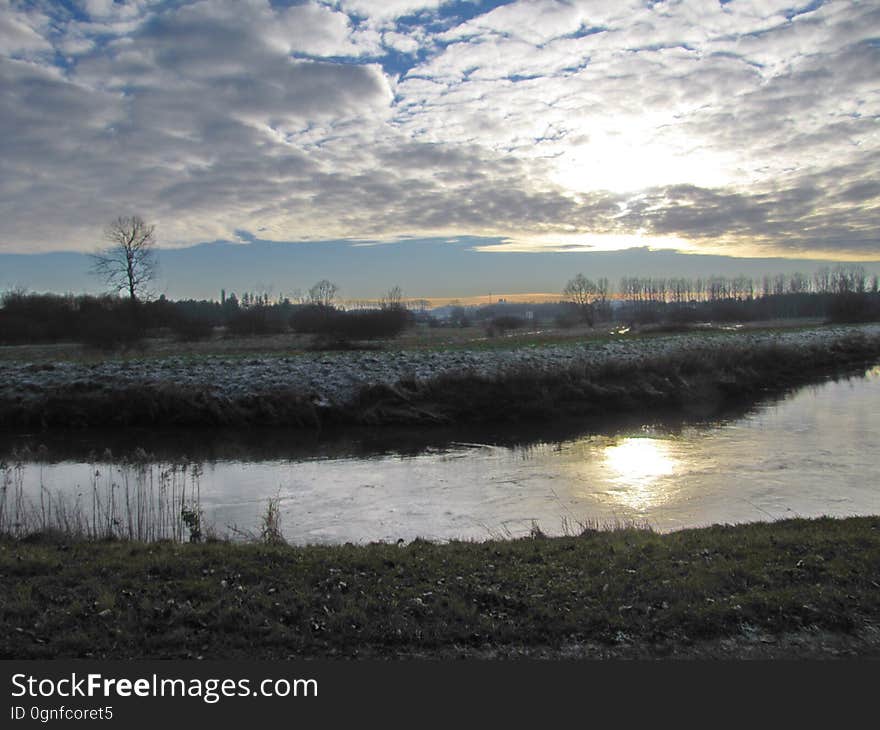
[{"x": 790, "y": 589}]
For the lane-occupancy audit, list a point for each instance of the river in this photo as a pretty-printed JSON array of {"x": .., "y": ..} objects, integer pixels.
[{"x": 814, "y": 452}]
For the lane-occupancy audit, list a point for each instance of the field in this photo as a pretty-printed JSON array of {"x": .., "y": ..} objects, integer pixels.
[
  {"x": 582, "y": 377},
  {"x": 417, "y": 338},
  {"x": 798, "y": 588}
]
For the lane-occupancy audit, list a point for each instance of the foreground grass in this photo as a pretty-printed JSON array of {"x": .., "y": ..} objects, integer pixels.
[{"x": 720, "y": 591}]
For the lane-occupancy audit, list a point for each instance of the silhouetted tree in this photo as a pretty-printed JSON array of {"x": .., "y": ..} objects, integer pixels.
[
  {"x": 129, "y": 263},
  {"x": 582, "y": 292},
  {"x": 323, "y": 293},
  {"x": 392, "y": 299}
]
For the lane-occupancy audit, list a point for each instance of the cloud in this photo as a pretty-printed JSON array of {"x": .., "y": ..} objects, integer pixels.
[
  {"x": 386, "y": 10},
  {"x": 20, "y": 32},
  {"x": 533, "y": 21},
  {"x": 742, "y": 127},
  {"x": 402, "y": 42}
]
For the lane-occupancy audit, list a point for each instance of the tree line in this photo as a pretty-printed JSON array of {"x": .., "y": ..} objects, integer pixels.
[
  {"x": 841, "y": 279},
  {"x": 109, "y": 321},
  {"x": 128, "y": 266},
  {"x": 845, "y": 292}
]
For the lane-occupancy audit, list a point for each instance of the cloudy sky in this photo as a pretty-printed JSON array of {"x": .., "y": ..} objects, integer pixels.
[{"x": 741, "y": 128}]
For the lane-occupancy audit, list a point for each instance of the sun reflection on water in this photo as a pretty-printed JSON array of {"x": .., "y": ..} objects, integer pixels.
[{"x": 636, "y": 467}]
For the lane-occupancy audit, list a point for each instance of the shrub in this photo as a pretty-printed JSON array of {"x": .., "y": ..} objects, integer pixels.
[
  {"x": 259, "y": 320},
  {"x": 729, "y": 310},
  {"x": 332, "y": 323},
  {"x": 644, "y": 315},
  {"x": 566, "y": 320},
  {"x": 854, "y": 307},
  {"x": 190, "y": 329},
  {"x": 16, "y": 329},
  {"x": 372, "y": 324},
  {"x": 312, "y": 319},
  {"x": 36, "y": 318},
  {"x": 683, "y": 315},
  {"x": 504, "y": 323},
  {"x": 458, "y": 317},
  {"x": 270, "y": 532},
  {"x": 110, "y": 329}
]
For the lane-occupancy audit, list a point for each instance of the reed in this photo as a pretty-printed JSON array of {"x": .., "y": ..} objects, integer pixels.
[{"x": 135, "y": 498}]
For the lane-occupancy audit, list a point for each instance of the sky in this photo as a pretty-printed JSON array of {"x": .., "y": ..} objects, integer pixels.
[{"x": 427, "y": 143}]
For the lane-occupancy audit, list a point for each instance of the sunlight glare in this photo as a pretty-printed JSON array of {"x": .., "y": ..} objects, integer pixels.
[
  {"x": 636, "y": 466},
  {"x": 571, "y": 242},
  {"x": 623, "y": 164}
]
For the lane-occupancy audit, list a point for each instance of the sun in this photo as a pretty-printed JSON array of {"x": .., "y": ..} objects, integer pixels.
[{"x": 631, "y": 157}]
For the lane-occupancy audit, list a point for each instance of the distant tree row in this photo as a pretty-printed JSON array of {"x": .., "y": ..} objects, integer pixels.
[
  {"x": 110, "y": 321},
  {"x": 844, "y": 292},
  {"x": 841, "y": 279}
]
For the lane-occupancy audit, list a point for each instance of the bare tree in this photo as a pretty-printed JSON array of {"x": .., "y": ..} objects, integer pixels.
[
  {"x": 129, "y": 263},
  {"x": 323, "y": 293},
  {"x": 392, "y": 299},
  {"x": 822, "y": 280},
  {"x": 798, "y": 283},
  {"x": 582, "y": 292}
]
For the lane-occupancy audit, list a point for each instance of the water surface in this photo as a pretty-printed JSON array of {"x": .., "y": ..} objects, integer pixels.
[{"x": 812, "y": 453}]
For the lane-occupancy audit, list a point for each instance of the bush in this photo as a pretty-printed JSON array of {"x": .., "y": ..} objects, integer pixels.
[
  {"x": 332, "y": 323},
  {"x": 259, "y": 320},
  {"x": 458, "y": 317},
  {"x": 854, "y": 307},
  {"x": 729, "y": 310},
  {"x": 504, "y": 323},
  {"x": 312, "y": 319},
  {"x": 644, "y": 315},
  {"x": 372, "y": 325},
  {"x": 683, "y": 315},
  {"x": 110, "y": 329},
  {"x": 16, "y": 329},
  {"x": 36, "y": 318},
  {"x": 566, "y": 320},
  {"x": 190, "y": 329}
]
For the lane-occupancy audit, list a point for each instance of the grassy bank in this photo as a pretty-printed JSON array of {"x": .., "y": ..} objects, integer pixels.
[
  {"x": 791, "y": 588},
  {"x": 693, "y": 380}
]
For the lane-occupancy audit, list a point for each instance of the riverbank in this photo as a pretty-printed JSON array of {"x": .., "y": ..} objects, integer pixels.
[
  {"x": 795, "y": 588},
  {"x": 690, "y": 373}
]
